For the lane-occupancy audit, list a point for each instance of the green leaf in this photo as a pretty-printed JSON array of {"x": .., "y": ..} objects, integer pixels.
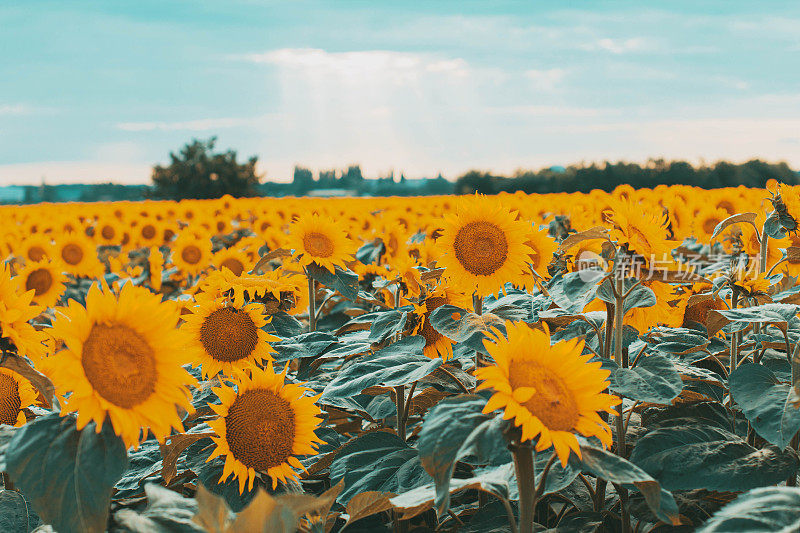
[
  {"x": 311, "y": 344},
  {"x": 619, "y": 470},
  {"x": 387, "y": 323},
  {"x": 640, "y": 295},
  {"x": 377, "y": 461},
  {"x": 573, "y": 291},
  {"x": 464, "y": 327},
  {"x": 400, "y": 363},
  {"x": 654, "y": 380},
  {"x": 166, "y": 512},
  {"x": 66, "y": 473},
  {"x": 699, "y": 456},
  {"x": 764, "y": 510},
  {"x": 776, "y": 314},
  {"x": 453, "y": 429},
  {"x": 15, "y": 513},
  {"x": 344, "y": 281}
]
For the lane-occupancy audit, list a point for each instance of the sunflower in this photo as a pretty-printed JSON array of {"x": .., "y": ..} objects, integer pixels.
[
  {"x": 552, "y": 392},
  {"x": 16, "y": 393},
  {"x": 641, "y": 230},
  {"x": 542, "y": 247},
  {"x": 108, "y": 231},
  {"x": 484, "y": 245},
  {"x": 320, "y": 240},
  {"x": 231, "y": 258},
  {"x": 272, "y": 287},
  {"x": 224, "y": 336},
  {"x": 36, "y": 247},
  {"x": 436, "y": 344},
  {"x": 264, "y": 425},
  {"x": 16, "y": 311},
  {"x": 122, "y": 359},
  {"x": 155, "y": 262},
  {"x": 46, "y": 281},
  {"x": 149, "y": 232},
  {"x": 191, "y": 253},
  {"x": 78, "y": 255}
]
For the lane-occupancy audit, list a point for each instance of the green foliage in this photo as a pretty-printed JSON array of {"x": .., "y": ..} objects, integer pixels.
[
  {"x": 67, "y": 474},
  {"x": 764, "y": 510},
  {"x": 166, "y": 512},
  {"x": 197, "y": 172},
  {"x": 766, "y": 402},
  {"x": 344, "y": 281},
  {"x": 653, "y": 379}
]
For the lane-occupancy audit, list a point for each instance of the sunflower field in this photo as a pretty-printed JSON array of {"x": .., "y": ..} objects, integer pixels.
[{"x": 624, "y": 361}]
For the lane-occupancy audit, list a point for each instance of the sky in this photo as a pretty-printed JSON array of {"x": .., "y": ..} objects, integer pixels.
[{"x": 98, "y": 91}]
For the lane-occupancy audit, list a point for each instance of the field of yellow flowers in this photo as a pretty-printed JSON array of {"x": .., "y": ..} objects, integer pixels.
[{"x": 621, "y": 361}]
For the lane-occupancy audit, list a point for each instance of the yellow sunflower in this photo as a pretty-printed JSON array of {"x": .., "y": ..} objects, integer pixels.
[
  {"x": 16, "y": 312},
  {"x": 122, "y": 360},
  {"x": 436, "y": 344},
  {"x": 484, "y": 245},
  {"x": 264, "y": 425},
  {"x": 542, "y": 246},
  {"x": 320, "y": 240},
  {"x": 36, "y": 247},
  {"x": 78, "y": 255},
  {"x": 191, "y": 253},
  {"x": 46, "y": 281},
  {"x": 225, "y": 337},
  {"x": 16, "y": 393},
  {"x": 108, "y": 231},
  {"x": 642, "y": 230},
  {"x": 233, "y": 259},
  {"x": 552, "y": 392},
  {"x": 273, "y": 288}
]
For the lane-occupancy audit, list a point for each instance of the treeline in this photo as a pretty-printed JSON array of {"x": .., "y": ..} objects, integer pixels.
[{"x": 606, "y": 176}]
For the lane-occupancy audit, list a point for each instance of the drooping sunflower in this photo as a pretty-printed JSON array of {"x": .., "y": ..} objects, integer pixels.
[
  {"x": 319, "y": 240},
  {"x": 122, "y": 359},
  {"x": 542, "y": 246},
  {"x": 224, "y": 337},
  {"x": 16, "y": 393},
  {"x": 484, "y": 245},
  {"x": 78, "y": 255},
  {"x": 275, "y": 290},
  {"x": 264, "y": 425},
  {"x": 436, "y": 344},
  {"x": 551, "y": 392},
  {"x": 45, "y": 279},
  {"x": 16, "y": 312},
  {"x": 191, "y": 253},
  {"x": 642, "y": 229}
]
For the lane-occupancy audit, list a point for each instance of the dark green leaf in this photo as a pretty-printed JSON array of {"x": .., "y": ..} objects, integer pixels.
[
  {"x": 377, "y": 461},
  {"x": 654, "y": 380},
  {"x": 766, "y": 403},
  {"x": 387, "y": 323},
  {"x": 464, "y": 327},
  {"x": 573, "y": 291},
  {"x": 344, "y": 281},
  {"x": 618, "y": 470},
  {"x": 16, "y": 516},
  {"x": 67, "y": 474},
  {"x": 400, "y": 363},
  {"x": 166, "y": 512},
  {"x": 699, "y": 456},
  {"x": 305, "y": 345},
  {"x": 766, "y": 510}
]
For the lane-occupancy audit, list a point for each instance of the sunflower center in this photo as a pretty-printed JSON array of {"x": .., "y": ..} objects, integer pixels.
[
  {"x": 552, "y": 403},
  {"x": 260, "y": 429},
  {"x": 229, "y": 335},
  {"x": 428, "y": 331},
  {"x": 107, "y": 232},
  {"x": 9, "y": 400},
  {"x": 234, "y": 265},
  {"x": 148, "y": 231},
  {"x": 481, "y": 248},
  {"x": 40, "y": 280},
  {"x": 36, "y": 253},
  {"x": 191, "y": 254},
  {"x": 72, "y": 254},
  {"x": 710, "y": 224},
  {"x": 119, "y": 364},
  {"x": 318, "y": 244}
]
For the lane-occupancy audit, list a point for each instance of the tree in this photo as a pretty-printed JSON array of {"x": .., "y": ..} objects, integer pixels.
[
  {"x": 303, "y": 180},
  {"x": 197, "y": 172}
]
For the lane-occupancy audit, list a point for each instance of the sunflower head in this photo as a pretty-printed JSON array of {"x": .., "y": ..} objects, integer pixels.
[
  {"x": 263, "y": 426},
  {"x": 45, "y": 279},
  {"x": 484, "y": 245},
  {"x": 436, "y": 344},
  {"x": 319, "y": 240},
  {"x": 16, "y": 393},
  {"x": 641, "y": 230},
  {"x": 551, "y": 392},
  {"x": 225, "y": 337},
  {"x": 122, "y": 360}
]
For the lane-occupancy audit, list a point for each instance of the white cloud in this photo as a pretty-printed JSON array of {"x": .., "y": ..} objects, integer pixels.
[
  {"x": 619, "y": 46},
  {"x": 547, "y": 79},
  {"x": 73, "y": 172},
  {"x": 14, "y": 109}
]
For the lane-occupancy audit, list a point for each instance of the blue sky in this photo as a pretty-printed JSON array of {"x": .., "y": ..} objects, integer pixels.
[{"x": 100, "y": 91}]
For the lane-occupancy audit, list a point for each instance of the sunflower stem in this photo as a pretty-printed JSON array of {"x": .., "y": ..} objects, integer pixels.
[
  {"x": 400, "y": 401},
  {"x": 619, "y": 314},
  {"x": 526, "y": 481},
  {"x": 762, "y": 265},
  {"x": 312, "y": 303}
]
